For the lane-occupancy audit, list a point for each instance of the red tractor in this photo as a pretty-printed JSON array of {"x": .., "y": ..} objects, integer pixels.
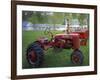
[{"x": 35, "y": 51}]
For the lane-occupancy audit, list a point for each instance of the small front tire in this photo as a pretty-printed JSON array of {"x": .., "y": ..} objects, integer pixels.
[{"x": 77, "y": 57}]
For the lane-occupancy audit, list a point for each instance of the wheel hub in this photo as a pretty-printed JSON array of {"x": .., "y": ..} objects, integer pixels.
[
  {"x": 32, "y": 56},
  {"x": 75, "y": 59}
]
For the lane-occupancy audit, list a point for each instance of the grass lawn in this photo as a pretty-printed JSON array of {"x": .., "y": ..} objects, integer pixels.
[{"x": 51, "y": 59}]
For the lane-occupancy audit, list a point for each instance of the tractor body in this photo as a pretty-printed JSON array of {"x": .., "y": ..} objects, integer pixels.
[{"x": 64, "y": 41}]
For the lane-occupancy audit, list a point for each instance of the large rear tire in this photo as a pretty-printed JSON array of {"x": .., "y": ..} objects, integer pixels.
[
  {"x": 35, "y": 55},
  {"x": 77, "y": 57}
]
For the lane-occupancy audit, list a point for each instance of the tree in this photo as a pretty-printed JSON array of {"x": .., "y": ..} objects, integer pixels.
[
  {"x": 83, "y": 19},
  {"x": 26, "y": 15}
]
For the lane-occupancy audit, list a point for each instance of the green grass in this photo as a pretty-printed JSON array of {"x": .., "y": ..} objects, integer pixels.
[{"x": 51, "y": 59}]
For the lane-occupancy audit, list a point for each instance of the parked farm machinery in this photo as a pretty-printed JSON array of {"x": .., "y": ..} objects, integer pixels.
[{"x": 70, "y": 40}]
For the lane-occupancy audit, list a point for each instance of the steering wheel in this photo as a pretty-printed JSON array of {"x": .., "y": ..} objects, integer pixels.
[{"x": 48, "y": 32}]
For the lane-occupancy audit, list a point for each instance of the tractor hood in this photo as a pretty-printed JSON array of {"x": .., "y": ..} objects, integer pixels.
[{"x": 66, "y": 35}]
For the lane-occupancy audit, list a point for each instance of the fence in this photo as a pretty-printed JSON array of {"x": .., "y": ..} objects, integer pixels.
[{"x": 43, "y": 27}]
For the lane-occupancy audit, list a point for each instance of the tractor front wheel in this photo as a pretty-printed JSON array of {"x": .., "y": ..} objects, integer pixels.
[
  {"x": 34, "y": 55},
  {"x": 77, "y": 57}
]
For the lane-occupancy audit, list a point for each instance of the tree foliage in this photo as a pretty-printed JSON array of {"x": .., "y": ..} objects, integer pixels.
[{"x": 40, "y": 17}]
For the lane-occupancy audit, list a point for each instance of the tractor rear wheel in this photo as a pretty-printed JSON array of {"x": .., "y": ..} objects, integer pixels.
[
  {"x": 35, "y": 54},
  {"x": 77, "y": 57}
]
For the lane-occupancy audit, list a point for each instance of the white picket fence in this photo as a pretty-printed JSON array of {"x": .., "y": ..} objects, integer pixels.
[{"x": 42, "y": 27}]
